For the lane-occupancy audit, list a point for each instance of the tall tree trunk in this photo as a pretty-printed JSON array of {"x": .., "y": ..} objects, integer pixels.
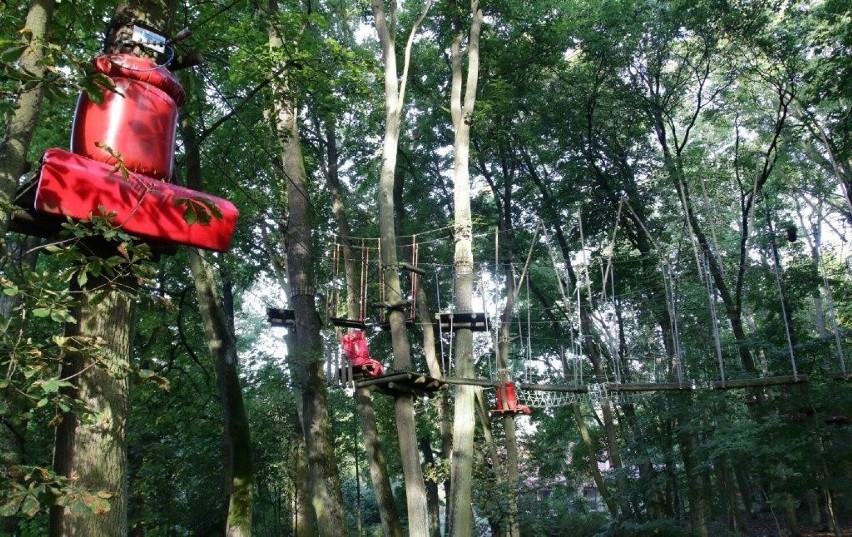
[
  {"x": 603, "y": 488},
  {"x": 391, "y": 525},
  {"x": 461, "y": 109},
  {"x": 511, "y": 526},
  {"x": 441, "y": 401},
  {"x": 22, "y": 124},
  {"x": 432, "y": 497},
  {"x": 305, "y": 344},
  {"x": 236, "y": 435},
  {"x": 221, "y": 342},
  {"x": 688, "y": 444},
  {"x": 93, "y": 453},
  {"x": 13, "y": 152},
  {"x": 304, "y": 520},
  {"x": 415, "y": 487}
]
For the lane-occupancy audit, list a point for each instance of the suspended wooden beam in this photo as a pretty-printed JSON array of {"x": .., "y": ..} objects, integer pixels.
[
  {"x": 476, "y": 322},
  {"x": 404, "y": 383},
  {"x": 385, "y": 325},
  {"x": 568, "y": 388},
  {"x": 520, "y": 411},
  {"x": 651, "y": 387},
  {"x": 758, "y": 382},
  {"x": 412, "y": 268},
  {"x": 485, "y": 383}
]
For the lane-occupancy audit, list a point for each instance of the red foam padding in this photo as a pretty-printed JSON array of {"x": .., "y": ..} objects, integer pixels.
[
  {"x": 355, "y": 350},
  {"x": 137, "y": 120},
  {"x": 74, "y": 186},
  {"x": 142, "y": 69},
  {"x": 511, "y": 402}
]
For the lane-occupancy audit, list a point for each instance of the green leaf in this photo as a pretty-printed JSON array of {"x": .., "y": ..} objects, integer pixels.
[
  {"x": 12, "y": 54},
  {"x": 62, "y": 316},
  {"x": 82, "y": 277},
  {"x": 41, "y": 312},
  {"x": 30, "y": 506},
  {"x": 190, "y": 215},
  {"x": 11, "y": 291},
  {"x": 11, "y": 507},
  {"x": 53, "y": 385}
]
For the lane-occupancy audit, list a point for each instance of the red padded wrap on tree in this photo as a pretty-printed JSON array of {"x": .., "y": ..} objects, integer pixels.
[
  {"x": 511, "y": 403},
  {"x": 137, "y": 120},
  {"x": 141, "y": 69},
  {"x": 71, "y": 185},
  {"x": 355, "y": 350}
]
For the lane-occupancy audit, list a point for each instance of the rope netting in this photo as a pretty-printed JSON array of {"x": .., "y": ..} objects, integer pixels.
[{"x": 596, "y": 394}]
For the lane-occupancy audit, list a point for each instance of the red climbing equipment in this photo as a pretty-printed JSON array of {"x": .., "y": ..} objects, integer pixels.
[
  {"x": 133, "y": 128},
  {"x": 511, "y": 400},
  {"x": 138, "y": 119},
  {"x": 71, "y": 185},
  {"x": 355, "y": 350}
]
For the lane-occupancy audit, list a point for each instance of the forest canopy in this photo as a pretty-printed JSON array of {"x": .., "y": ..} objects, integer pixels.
[{"x": 553, "y": 267}]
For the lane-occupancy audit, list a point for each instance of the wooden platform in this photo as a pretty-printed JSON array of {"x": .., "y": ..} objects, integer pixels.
[
  {"x": 343, "y": 322},
  {"x": 476, "y": 322},
  {"x": 403, "y": 383},
  {"x": 280, "y": 317}
]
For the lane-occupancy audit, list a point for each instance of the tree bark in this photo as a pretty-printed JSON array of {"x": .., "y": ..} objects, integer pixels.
[
  {"x": 92, "y": 453},
  {"x": 511, "y": 526},
  {"x": 415, "y": 487},
  {"x": 441, "y": 401},
  {"x": 603, "y": 489},
  {"x": 461, "y": 109},
  {"x": 688, "y": 444},
  {"x": 305, "y": 344},
  {"x": 22, "y": 124},
  {"x": 304, "y": 521},
  {"x": 221, "y": 342},
  {"x": 391, "y": 525},
  {"x": 236, "y": 435}
]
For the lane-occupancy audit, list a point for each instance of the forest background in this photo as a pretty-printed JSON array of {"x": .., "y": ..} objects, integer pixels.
[{"x": 659, "y": 197}]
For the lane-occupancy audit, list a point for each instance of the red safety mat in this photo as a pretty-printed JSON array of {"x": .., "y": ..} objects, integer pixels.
[{"x": 75, "y": 186}]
